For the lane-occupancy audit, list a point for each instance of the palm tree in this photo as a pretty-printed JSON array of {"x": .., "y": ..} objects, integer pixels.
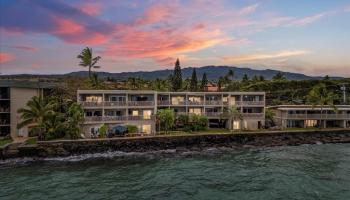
[
  {"x": 36, "y": 111},
  {"x": 87, "y": 60},
  {"x": 75, "y": 116},
  {"x": 54, "y": 126},
  {"x": 320, "y": 96},
  {"x": 235, "y": 114}
]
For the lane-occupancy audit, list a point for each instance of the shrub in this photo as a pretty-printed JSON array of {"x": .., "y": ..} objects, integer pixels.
[
  {"x": 183, "y": 120},
  {"x": 102, "y": 131},
  {"x": 132, "y": 128}
]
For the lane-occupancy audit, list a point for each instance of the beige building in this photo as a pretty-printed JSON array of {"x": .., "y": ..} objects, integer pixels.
[
  {"x": 304, "y": 116},
  {"x": 115, "y": 107},
  {"x": 13, "y": 96}
]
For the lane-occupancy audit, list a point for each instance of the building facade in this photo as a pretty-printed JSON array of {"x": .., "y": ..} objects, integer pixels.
[
  {"x": 305, "y": 116},
  {"x": 115, "y": 107},
  {"x": 13, "y": 96}
]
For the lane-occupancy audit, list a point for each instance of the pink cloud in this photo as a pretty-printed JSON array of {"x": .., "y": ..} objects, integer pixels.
[
  {"x": 90, "y": 8},
  {"x": 6, "y": 57},
  {"x": 24, "y": 48}
]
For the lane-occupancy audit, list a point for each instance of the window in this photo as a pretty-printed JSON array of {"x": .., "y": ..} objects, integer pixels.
[
  {"x": 135, "y": 113},
  {"x": 147, "y": 129},
  {"x": 177, "y": 100},
  {"x": 236, "y": 125},
  {"x": 194, "y": 99},
  {"x": 93, "y": 99},
  {"x": 147, "y": 114},
  {"x": 196, "y": 111},
  {"x": 310, "y": 123}
]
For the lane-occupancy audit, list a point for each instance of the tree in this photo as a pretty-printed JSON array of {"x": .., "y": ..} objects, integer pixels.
[
  {"x": 176, "y": 79},
  {"x": 87, "y": 59},
  {"x": 231, "y": 74},
  {"x": 36, "y": 112},
  {"x": 54, "y": 126},
  {"x": 74, "y": 117},
  {"x": 95, "y": 82},
  {"x": 166, "y": 119},
  {"x": 245, "y": 78},
  {"x": 320, "y": 96},
  {"x": 194, "y": 81},
  {"x": 204, "y": 82},
  {"x": 279, "y": 77},
  {"x": 235, "y": 114}
]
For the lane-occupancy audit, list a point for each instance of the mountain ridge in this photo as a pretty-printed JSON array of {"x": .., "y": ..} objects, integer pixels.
[{"x": 213, "y": 73}]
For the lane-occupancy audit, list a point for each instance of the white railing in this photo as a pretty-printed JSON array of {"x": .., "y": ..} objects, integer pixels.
[
  {"x": 118, "y": 118},
  {"x": 91, "y": 104},
  {"x": 114, "y": 103},
  {"x": 166, "y": 103},
  {"x": 140, "y": 103}
]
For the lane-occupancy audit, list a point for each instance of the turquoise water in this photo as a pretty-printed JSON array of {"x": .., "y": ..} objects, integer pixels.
[{"x": 300, "y": 172}]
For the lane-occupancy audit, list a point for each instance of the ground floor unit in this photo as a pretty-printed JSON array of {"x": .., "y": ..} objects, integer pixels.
[{"x": 150, "y": 127}]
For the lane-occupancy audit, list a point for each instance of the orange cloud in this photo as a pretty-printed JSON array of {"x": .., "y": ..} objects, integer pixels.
[
  {"x": 6, "y": 57},
  {"x": 255, "y": 57}
]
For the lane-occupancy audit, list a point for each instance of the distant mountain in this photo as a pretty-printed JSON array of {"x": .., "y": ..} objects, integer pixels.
[{"x": 213, "y": 73}]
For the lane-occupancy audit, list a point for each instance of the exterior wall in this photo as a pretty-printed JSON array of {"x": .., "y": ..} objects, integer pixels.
[{"x": 19, "y": 98}]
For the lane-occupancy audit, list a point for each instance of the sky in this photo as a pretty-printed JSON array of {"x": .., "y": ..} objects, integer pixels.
[{"x": 304, "y": 36}]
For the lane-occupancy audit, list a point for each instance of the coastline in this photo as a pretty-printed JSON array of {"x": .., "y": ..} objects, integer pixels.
[{"x": 59, "y": 148}]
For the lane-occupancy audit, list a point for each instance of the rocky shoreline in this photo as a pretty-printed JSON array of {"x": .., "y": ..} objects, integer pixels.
[{"x": 183, "y": 142}]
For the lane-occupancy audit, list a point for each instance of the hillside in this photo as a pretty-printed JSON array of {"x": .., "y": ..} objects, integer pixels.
[{"x": 213, "y": 73}]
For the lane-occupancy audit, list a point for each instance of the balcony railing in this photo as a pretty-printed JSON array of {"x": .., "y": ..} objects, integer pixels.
[
  {"x": 140, "y": 103},
  {"x": 91, "y": 104},
  {"x": 118, "y": 118},
  {"x": 117, "y": 103},
  {"x": 169, "y": 103},
  {"x": 224, "y": 114},
  {"x": 317, "y": 116},
  {"x": 114, "y": 103}
]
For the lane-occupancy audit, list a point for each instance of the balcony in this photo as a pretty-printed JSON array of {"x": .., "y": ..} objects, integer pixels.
[
  {"x": 140, "y": 103},
  {"x": 118, "y": 118},
  {"x": 250, "y": 103},
  {"x": 213, "y": 102},
  {"x": 91, "y": 104},
  {"x": 115, "y": 103},
  {"x": 317, "y": 116}
]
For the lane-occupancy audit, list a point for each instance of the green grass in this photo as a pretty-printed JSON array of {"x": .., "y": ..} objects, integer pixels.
[
  {"x": 31, "y": 141},
  {"x": 3, "y": 142}
]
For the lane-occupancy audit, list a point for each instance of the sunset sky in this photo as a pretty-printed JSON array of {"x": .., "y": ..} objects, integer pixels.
[{"x": 305, "y": 36}]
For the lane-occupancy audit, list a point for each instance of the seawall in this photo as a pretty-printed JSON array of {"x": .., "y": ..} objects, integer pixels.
[{"x": 183, "y": 142}]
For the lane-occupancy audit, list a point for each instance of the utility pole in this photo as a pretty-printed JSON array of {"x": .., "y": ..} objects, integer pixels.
[{"x": 343, "y": 88}]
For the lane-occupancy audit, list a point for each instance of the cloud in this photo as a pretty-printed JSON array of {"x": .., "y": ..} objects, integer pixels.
[
  {"x": 24, "y": 48},
  {"x": 310, "y": 19},
  {"x": 91, "y": 8},
  {"x": 256, "y": 57},
  {"x": 6, "y": 57},
  {"x": 55, "y": 18}
]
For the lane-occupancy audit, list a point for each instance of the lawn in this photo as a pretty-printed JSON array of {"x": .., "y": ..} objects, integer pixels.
[
  {"x": 3, "y": 142},
  {"x": 31, "y": 141}
]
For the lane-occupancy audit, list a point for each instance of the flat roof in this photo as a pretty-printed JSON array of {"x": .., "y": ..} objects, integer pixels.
[
  {"x": 27, "y": 84},
  {"x": 309, "y": 107}
]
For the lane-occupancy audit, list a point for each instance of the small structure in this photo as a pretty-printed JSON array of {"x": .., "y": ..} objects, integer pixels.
[
  {"x": 305, "y": 116},
  {"x": 211, "y": 87},
  {"x": 13, "y": 96}
]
